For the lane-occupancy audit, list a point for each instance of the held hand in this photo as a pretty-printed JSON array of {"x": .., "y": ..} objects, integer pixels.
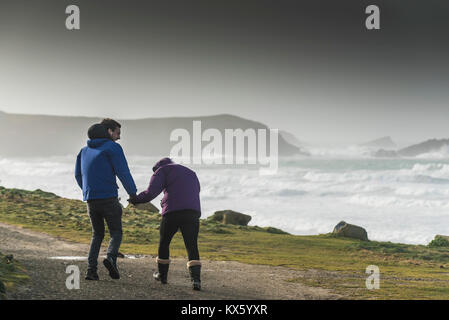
[{"x": 132, "y": 199}]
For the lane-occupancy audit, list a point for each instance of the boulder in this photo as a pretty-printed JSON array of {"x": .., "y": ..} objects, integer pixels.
[
  {"x": 344, "y": 229},
  {"x": 148, "y": 206},
  {"x": 231, "y": 217}
]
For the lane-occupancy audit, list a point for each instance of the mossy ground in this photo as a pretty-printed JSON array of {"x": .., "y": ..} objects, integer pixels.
[
  {"x": 11, "y": 274},
  {"x": 406, "y": 271}
]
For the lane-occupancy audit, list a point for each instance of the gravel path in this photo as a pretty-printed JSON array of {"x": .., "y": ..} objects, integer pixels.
[{"x": 220, "y": 279}]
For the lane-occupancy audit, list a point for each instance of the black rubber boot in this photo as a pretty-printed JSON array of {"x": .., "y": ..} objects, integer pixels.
[
  {"x": 195, "y": 276},
  {"x": 162, "y": 274},
  {"x": 91, "y": 275},
  {"x": 112, "y": 268}
]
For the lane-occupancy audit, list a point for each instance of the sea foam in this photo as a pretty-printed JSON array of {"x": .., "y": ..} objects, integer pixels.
[{"x": 403, "y": 200}]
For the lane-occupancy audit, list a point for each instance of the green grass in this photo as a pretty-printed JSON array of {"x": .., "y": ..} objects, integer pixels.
[
  {"x": 11, "y": 274},
  {"x": 439, "y": 241},
  {"x": 407, "y": 271}
]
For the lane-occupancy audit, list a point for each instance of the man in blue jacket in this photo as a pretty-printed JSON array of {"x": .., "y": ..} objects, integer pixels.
[{"x": 97, "y": 166}]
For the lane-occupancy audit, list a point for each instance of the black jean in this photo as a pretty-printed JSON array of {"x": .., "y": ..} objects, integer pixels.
[
  {"x": 189, "y": 223},
  {"x": 99, "y": 211}
]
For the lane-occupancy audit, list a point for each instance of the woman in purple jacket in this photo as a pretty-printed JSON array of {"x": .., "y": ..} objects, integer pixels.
[{"x": 180, "y": 210}]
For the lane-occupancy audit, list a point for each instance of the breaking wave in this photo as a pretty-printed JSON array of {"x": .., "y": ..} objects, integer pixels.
[{"x": 404, "y": 200}]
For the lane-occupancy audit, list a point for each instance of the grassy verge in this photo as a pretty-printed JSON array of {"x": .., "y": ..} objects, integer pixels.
[
  {"x": 406, "y": 271},
  {"x": 11, "y": 274}
]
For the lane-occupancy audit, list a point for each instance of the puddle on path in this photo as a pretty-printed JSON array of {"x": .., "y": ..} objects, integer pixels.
[{"x": 80, "y": 258}]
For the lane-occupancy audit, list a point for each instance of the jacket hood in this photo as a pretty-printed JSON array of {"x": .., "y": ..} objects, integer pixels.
[
  {"x": 161, "y": 163},
  {"x": 95, "y": 143},
  {"x": 97, "y": 131}
]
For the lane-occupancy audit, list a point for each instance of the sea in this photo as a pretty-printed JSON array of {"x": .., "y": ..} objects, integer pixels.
[{"x": 399, "y": 199}]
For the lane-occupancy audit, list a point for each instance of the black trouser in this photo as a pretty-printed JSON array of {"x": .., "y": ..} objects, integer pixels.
[
  {"x": 111, "y": 211},
  {"x": 189, "y": 223}
]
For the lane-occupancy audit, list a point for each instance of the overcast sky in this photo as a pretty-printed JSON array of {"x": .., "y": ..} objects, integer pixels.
[{"x": 313, "y": 70}]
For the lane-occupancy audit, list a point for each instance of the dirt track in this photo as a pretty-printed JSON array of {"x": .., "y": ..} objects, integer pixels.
[{"x": 220, "y": 279}]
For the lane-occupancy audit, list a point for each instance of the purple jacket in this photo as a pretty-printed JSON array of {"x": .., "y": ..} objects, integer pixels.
[{"x": 180, "y": 185}]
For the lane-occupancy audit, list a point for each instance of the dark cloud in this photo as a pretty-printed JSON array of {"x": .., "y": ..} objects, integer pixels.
[{"x": 313, "y": 62}]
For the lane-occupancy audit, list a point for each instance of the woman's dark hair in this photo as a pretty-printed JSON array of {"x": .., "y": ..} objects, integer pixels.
[
  {"x": 98, "y": 131},
  {"x": 110, "y": 124}
]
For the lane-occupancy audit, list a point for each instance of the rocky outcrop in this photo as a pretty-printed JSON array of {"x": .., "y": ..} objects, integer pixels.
[
  {"x": 424, "y": 147},
  {"x": 433, "y": 145},
  {"x": 72, "y": 134},
  {"x": 148, "y": 206},
  {"x": 344, "y": 229},
  {"x": 384, "y": 143},
  {"x": 291, "y": 139},
  {"x": 230, "y": 217}
]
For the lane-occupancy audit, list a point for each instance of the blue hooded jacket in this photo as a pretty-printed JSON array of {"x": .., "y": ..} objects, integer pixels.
[{"x": 97, "y": 166}]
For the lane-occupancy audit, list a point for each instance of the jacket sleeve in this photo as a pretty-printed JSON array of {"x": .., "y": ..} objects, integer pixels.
[
  {"x": 121, "y": 169},
  {"x": 157, "y": 184},
  {"x": 78, "y": 176},
  {"x": 198, "y": 181}
]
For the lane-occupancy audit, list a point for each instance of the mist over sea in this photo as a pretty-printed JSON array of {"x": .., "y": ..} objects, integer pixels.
[{"x": 398, "y": 200}]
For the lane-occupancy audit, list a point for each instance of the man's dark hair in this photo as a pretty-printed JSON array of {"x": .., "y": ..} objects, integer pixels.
[
  {"x": 111, "y": 124},
  {"x": 98, "y": 131}
]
